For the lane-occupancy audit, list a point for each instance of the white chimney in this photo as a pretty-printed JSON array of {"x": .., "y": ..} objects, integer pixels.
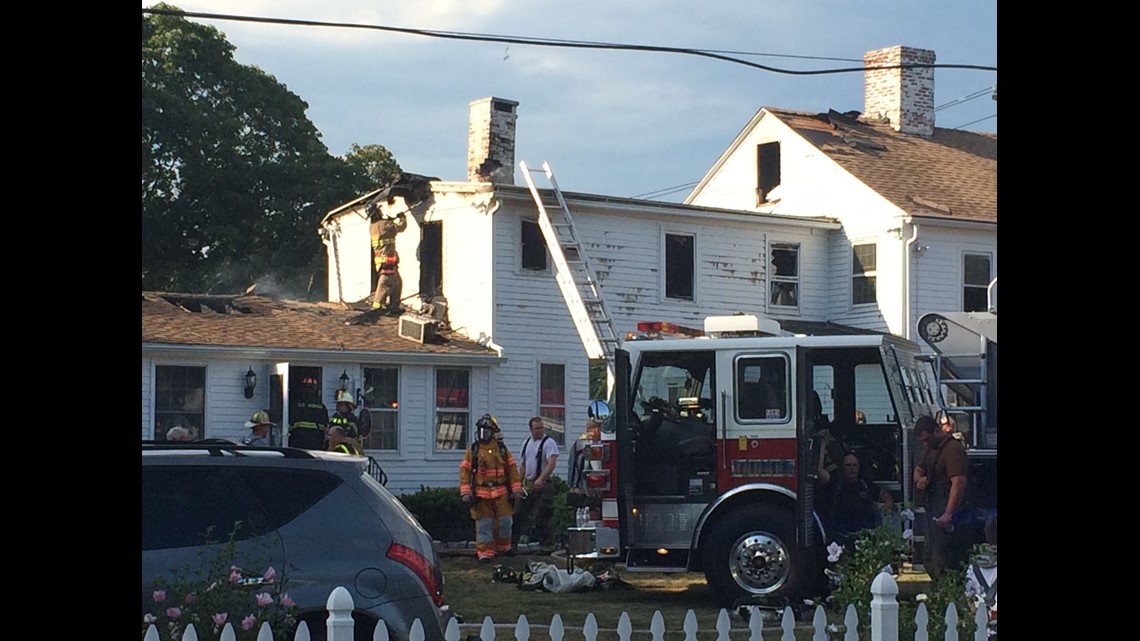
[
  {"x": 904, "y": 97},
  {"x": 491, "y": 141}
]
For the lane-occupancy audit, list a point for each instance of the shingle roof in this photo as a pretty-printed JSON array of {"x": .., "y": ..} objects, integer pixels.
[
  {"x": 952, "y": 174},
  {"x": 248, "y": 321}
]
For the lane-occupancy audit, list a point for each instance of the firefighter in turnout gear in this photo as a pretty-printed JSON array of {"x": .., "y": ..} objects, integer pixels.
[
  {"x": 309, "y": 416},
  {"x": 387, "y": 263},
  {"x": 488, "y": 482},
  {"x": 344, "y": 417}
]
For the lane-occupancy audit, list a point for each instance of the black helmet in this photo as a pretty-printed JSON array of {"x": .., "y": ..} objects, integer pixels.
[{"x": 487, "y": 422}]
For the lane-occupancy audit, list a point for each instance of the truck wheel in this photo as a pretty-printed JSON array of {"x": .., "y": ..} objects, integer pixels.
[{"x": 751, "y": 553}]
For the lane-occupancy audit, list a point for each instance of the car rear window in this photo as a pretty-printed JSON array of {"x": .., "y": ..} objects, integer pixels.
[
  {"x": 286, "y": 493},
  {"x": 184, "y": 506}
]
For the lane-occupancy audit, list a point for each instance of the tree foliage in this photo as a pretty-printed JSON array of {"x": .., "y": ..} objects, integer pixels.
[
  {"x": 235, "y": 178},
  {"x": 375, "y": 162}
]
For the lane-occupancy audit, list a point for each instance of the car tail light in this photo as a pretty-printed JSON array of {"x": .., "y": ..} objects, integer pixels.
[{"x": 422, "y": 567}]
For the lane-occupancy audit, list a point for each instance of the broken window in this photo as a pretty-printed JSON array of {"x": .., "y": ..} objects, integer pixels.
[
  {"x": 863, "y": 264},
  {"x": 380, "y": 398},
  {"x": 975, "y": 282},
  {"x": 431, "y": 260},
  {"x": 785, "y": 279},
  {"x": 452, "y": 409},
  {"x": 533, "y": 246},
  {"x": 767, "y": 170},
  {"x": 179, "y": 400},
  {"x": 552, "y": 400},
  {"x": 679, "y": 267}
]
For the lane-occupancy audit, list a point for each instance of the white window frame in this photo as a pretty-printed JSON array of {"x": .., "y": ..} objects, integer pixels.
[
  {"x": 775, "y": 278},
  {"x": 870, "y": 275},
  {"x": 665, "y": 234},
  {"x": 559, "y": 436},
  {"x": 984, "y": 287},
  {"x": 154, "y": 395},
  {"x": 463, "y": 439},
  {"x": 385, "y": 411}
]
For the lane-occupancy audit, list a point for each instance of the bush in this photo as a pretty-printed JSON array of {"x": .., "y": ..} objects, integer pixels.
[
  {"x": 440, "y": 512},
  {"x": 443, "y": 515}
]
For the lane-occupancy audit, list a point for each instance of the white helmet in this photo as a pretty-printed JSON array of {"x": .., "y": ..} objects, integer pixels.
[{"x": 344, "y": 396}]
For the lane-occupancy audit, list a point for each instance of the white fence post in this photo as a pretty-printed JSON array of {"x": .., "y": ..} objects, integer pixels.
[
  {"x": 884, "y": 608},
  {"x": 340, "y": 606},
  {"x": 723, "y": 625},
  {"x": 557, "y": 630},
  {"x": 921, "y": 619},
  {"x": 951, "y": 622},
  {"x": 522, "y": 629},
  {"x": 657, "y": 627},
  {"x": 851, "y": 622},
  {"x": 788, "y": 623}
]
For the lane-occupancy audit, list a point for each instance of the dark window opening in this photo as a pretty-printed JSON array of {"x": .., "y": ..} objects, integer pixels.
[
  {"x": 863, "y": 265},
  {"x": 975, "y": 282},
  {"x": 533, "y": 246},
  {"x": 679, "y": 266},
  {"x": 785, "y": 275},
  {"x": 431, "y": 260},
  {"x": 767, "y": 169}
]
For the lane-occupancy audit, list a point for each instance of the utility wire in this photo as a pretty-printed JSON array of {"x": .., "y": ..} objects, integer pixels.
[
  {"x": 974, "y": 122},
  {"x": 957, "y": 101},
  {"x": 552, "y": 42},
  {"x": 665, "y": 191}
]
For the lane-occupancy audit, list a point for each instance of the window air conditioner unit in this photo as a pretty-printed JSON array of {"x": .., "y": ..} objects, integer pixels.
[{"x": 419, "y": 329}]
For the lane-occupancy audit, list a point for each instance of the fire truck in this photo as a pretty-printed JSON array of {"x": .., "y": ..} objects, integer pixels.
[{"x": 707, "y": 456}]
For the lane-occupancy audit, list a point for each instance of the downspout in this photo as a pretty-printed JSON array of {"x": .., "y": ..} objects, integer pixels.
[
  {"x": 331, "y": 233},
  {"x": 907, "y": 253}
]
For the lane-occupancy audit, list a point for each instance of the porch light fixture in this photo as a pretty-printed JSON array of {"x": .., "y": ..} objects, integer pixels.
[
  {"x": 250, "y": 383},
  {"x": 344, "y": 381}
]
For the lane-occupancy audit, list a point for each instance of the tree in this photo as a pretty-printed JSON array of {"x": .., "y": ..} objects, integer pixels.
[
  {"x": 235, "y": 178},
  {"x": 375, "y": 162}
]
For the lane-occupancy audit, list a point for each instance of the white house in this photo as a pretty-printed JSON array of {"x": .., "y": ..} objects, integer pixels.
[{"x": 825, "y": 222}]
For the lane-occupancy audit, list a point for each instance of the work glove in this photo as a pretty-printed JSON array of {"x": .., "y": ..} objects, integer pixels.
[{"x": 465, "y": 499}]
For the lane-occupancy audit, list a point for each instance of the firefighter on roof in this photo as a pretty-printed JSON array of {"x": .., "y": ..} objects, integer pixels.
[
  {"x": 488, "y": 482},
  {"x": 387, "y": 262}
]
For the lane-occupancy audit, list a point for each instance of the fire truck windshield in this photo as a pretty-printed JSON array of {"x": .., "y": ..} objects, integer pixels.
[{"x": 675, "y": 385}]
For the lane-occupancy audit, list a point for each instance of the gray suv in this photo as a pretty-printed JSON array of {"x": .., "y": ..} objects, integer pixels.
[{"x": 319, "y": 517}]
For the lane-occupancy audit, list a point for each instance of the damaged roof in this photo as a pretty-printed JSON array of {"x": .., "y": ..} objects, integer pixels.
[
  {"x": 268, "y": 323},
  {"x": 952, "y": 174}
]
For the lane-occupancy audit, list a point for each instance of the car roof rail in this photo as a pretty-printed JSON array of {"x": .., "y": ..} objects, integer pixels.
[{"x": 222, "y": 447}]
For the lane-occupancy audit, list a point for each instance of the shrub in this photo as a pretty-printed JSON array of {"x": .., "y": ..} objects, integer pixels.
[{"x": 440, "y": 512}]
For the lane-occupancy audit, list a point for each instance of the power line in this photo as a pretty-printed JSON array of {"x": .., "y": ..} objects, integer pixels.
[
  {"x": 552, "y": 42},
  {"x": 967, "y": 98},
  {"x": 974, "y": 122},
  {"x": 665, "y": 191}
]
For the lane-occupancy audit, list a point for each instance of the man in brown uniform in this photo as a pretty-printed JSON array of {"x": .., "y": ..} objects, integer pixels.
[{"x": 941, "y": 474}]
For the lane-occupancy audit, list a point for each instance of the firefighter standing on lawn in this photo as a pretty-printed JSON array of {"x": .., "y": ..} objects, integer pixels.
[{"x": 488, "y": 482}]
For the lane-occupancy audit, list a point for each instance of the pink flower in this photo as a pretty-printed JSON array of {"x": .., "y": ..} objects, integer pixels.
[
  {"x": 173, "y": 613},
  {"x": 159, "y": 596},
  {"x": 263, "y": 599},
  {"x": 149, "y": 618},
  {"x": 235, "y": 574},
  {"x": 270, "y": 574},
  {"x": 248, "y": 622},
  {"x": 220, "y": 619},
  {"x": 189, "y": 598},
  {"x": 286, "y": 601}
]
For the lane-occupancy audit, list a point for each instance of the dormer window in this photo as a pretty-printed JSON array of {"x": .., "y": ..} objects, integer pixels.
[{"x": 767, "y": 170}]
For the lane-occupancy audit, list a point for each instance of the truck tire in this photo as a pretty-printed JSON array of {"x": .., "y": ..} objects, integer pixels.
[{"x": 751, "y": 553}]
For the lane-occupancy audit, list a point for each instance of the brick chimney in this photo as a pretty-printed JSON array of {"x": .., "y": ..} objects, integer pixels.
[
  {"x": 905, "y": 97},
  {"x": 491, "y": 141}
]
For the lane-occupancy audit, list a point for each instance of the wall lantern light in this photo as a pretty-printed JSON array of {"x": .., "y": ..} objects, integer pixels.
[
  {"x": 250, "y": 383},
  {"x": 344, "y": 381}
]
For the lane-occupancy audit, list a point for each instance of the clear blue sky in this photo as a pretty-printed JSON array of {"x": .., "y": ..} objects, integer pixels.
[{"x": 617, "y": 123}]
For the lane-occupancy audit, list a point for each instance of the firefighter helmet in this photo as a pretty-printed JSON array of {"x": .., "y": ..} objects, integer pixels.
[
  {"x": 308, "y": 380},
  {"x": 260, "y": 417},
  {"x": 487, "y": 421},
  {"x": 345, "y": 396}
]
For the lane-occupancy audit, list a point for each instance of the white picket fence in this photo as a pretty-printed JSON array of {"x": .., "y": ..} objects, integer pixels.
[{"x": 884, "y": 623}]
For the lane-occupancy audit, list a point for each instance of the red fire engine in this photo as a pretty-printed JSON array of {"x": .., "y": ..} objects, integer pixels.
[{"x": 706, "y": 459}]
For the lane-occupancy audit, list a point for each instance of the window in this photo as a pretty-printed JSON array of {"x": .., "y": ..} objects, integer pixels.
[
  {"x": 381, "y": 396},
  {"x": 785, "y": 277},
  {"x": 179, "y": 400},
  {"x": 552, "y": 400},
  {"x": 975, "y": 282},
  {"x": 452, "y": 411},
  {"x": 863, "y": 274},
  {"x": 431, "y": 259},
  {"x": 679, "y": 266},
  {"x": 767, "y": 170},
  {"x": 533, "y": 246},
  {"x": 762, "y": 388}
]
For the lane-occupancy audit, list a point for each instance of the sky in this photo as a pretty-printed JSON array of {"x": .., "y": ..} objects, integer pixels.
[{"x": 615, "y": 123}]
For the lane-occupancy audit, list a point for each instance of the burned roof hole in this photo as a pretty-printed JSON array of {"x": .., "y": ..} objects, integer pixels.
[{"x": 207, "y": 305}]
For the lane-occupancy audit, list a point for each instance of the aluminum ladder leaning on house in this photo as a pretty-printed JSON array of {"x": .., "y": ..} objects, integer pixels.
[{"x": 572, "y": 270}]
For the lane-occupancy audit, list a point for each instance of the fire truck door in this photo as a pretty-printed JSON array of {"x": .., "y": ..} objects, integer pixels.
[{"x": 806, "y": 450}]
